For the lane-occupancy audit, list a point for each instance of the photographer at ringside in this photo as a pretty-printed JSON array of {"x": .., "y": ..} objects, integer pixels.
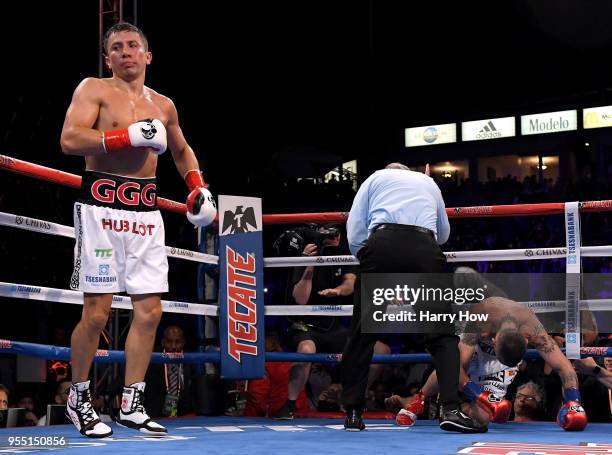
[{"x": 325, "y": 285}]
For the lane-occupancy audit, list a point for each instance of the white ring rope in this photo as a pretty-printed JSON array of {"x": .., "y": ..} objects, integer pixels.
[
  {"x": 47, "y": 227},
  {"x": 30, "y": 292},
  {"x": 517, "y": 254},
  {"x": 310, "y": 260}
]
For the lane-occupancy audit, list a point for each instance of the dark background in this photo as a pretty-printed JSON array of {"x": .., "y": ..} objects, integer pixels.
[{"x": 251, "y": 79}]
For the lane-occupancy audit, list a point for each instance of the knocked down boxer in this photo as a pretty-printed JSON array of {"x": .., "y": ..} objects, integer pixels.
[{"x": 490, "y": 353}]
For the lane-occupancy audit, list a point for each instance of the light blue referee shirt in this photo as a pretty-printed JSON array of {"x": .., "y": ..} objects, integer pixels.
[{"x": 396, "y": 196}]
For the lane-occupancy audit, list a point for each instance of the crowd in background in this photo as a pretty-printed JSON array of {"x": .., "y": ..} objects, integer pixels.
[{"x": 46, "y": 261}]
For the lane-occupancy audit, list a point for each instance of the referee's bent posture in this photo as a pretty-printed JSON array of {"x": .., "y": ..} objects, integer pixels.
[{"x": 397, "y": 220}]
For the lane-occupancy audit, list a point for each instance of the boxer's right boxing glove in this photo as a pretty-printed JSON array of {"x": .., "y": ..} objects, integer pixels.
[
  {"x": 145, "y": 133},
  {"x": 571, "y": 416},
  {"x": 498, "y": 408},
  {"x": 408, "y": 416}
]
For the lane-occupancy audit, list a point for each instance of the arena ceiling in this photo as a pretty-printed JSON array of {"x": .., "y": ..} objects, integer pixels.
[{"x": 253, "y": 78}]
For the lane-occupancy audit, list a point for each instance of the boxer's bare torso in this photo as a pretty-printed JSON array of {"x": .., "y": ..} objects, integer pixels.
[
  {"x": 500, "y": 311},
  {"x": 118, "y": 109},
  {"x": 102, "y": 105}
]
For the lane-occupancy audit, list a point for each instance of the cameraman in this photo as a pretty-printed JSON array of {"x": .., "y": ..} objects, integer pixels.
[{"x": 327, "y": 285}]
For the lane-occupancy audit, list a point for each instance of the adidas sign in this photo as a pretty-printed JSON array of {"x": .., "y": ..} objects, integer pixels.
[
  {"x": 488, "y": 131},
  {"x": 492, "y": 128}
]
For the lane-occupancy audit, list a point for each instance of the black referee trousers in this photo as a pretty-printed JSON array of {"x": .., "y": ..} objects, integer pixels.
[{"x": 397, "y": 249}]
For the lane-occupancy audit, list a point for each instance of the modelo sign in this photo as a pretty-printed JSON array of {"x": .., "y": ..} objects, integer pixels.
[
  {"x": 494, "y": 128},
  {"x": 597, "y": 117},
  {"x": 431, "y": 135},
  {"x": 550, "y": 122}
]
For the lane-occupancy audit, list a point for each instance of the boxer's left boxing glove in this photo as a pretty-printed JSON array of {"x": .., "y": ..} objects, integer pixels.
[
  {"x": 408, "y": 416},
  {"x": 144, "y": 133},
  {"x": 571, "y": 416},
  {"x": 201, "y": 207},
  {"x": 498, "y": 408}
]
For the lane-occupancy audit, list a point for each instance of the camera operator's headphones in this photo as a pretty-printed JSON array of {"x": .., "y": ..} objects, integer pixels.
[
  {"x": 292, "y": 242},
  {"x": 334, "y": 229}
]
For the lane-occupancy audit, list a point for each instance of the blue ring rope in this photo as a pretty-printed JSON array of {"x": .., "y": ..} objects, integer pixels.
[{"x": 102, "y": 356}]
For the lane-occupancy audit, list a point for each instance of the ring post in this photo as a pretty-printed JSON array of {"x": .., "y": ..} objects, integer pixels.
[
  {"x": 241, "y": 296},
  {"x": 572, "y": 283}
]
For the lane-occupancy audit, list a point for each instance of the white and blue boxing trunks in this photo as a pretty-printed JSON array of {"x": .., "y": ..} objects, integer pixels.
[
  {"x": 120, "y": 241},
  {"x": 489, "y": 372}
]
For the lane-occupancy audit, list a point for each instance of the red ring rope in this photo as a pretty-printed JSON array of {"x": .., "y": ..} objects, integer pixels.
[{"x": 551, "y": 208}]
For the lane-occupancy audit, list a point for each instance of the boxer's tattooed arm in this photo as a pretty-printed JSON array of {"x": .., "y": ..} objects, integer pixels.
[
  {"x": 569, "y": 379},
  {"x": 544, "y": 344},
  {"x": 541, "y": 340},
  {"x": 552, "y": 355}
]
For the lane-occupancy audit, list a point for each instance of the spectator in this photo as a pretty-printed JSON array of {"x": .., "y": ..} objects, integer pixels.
[
  {"x": 329, "y": 399},
  {"x": 528, "y": 402},
  {"x": 268, "y": 395},
  {"x": 319, "y": 380},
  {"x": 170, "y": 386},
  {"x": 4, "y": 397},
  {"x": 597, "y": 388},
  {"x": 61, "y": 397},
  {"x": 27, "y": 403},
  {"x": 376, "y": 396}
]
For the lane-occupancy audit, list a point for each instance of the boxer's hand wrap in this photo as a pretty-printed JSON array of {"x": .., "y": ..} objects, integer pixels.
[
  {"x": 194, "y": 180},
  {"x": 145, "y": 133},
  {"x": 571, "y": 416},
  {"x": 201, "y": 207},
  {"x": 498, "y": 408}
]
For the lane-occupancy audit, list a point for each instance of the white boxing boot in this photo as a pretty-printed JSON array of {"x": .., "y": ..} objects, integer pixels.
[
  {"x": 133, "y": 414},
  {"x": 80, "y": 411}
]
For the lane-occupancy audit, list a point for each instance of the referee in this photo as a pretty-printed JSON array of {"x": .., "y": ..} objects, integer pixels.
[{"x": 397, "y": 220}]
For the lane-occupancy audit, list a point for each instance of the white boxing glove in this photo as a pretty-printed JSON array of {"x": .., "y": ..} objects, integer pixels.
[
  {"x": 201, "y": 207},
  {"x": 145, "y": 133}
]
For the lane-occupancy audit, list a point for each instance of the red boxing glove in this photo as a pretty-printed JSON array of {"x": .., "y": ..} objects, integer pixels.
[
  {"x": 409, "y": 415},
  {"x": 201, "y": 207},
  {"x": 498, "y": 408},
  {"x": 571, "y": 416}
]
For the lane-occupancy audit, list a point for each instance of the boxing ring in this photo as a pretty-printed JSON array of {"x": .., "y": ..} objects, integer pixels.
[{"x": 263, "y": 435}]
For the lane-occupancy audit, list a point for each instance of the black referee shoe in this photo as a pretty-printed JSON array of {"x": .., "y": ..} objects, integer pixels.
[
  {"x": 284, "y": 413},
  {"x": 456, "y": 420},
  {"x": 353, "y": 421}
]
